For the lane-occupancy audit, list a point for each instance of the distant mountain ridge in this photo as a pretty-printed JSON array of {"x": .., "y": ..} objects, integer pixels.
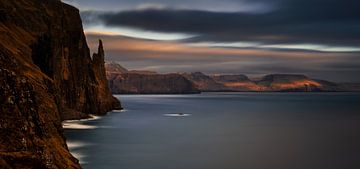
[{"x": 219, "y": 83}]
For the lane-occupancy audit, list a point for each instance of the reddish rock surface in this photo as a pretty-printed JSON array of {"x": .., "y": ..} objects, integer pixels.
[
  {"x": 46, "y": 75},
  {"x": 236, "y": 82},
  {"x": 276, "y": 82}
]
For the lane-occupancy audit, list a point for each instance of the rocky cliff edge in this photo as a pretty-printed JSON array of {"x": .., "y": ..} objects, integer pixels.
[{"x": 46, "y": 75}]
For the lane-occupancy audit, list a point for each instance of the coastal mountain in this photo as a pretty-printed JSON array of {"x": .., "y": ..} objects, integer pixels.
[
  {"x": 204, "y": 82},
  {"x": 147, "y": 82},
  {"x": 141, "y": 82},
  {"x": 236, "y": 82},
  {"x": 268, "y": 83},
  {"x": 46, "y": 75},
  {"x": 276, "y": 83},
  {"x": 293, "y": 82}
]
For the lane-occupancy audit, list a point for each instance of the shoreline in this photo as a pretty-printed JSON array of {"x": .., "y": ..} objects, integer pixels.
[
  {"x": 119, "y": 94},
  {"x": 76, "y": 123}
]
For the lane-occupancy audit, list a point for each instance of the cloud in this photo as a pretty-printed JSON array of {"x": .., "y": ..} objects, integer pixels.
[
  {"x": 204, "y": 5},
  {"x": 326, "y": 22},
  {"x": 320, "y": 38}
]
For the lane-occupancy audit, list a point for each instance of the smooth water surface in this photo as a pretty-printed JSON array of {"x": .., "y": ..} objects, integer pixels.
[{"x": 224, "y": 131}]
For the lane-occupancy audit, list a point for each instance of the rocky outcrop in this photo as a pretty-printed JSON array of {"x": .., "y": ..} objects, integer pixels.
[
  {"x": 101, "y": 99},
  {"x": 46, "y": 75}
]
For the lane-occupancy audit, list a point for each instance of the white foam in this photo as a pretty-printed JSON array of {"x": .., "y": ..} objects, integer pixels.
[
  {"x": 72, "y": 145},
  {"x": 78, "y": 126},
  {"x": 80, "y": 157},
  {"x": 119, "y": 111},
  {"x": 177, "y": 115},
  {"x": 76, "y": 144},
  {"x": 91, "y": 118}
]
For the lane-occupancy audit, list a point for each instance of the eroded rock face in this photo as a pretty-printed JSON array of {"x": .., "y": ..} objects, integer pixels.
[
  {"x": 136, "y": 83},
  {"x": 204, "y": 82},
  {"x": 123, "y": 81},
  {"x": 46, "y": 75},
  {"x": 236, "y": 82},
  {"x": 30, "y": 124},
  {"x": 275, "y": 83},
  {"x": 289, "y": 82}
]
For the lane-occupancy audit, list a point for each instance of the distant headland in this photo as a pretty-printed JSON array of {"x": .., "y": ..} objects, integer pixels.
[{"x": 123, "y": 81}]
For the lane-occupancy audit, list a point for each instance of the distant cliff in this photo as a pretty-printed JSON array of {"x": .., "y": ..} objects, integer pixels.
[
  {"x": 235, "y": 82},
  {"x": 46, "y": 75},
  {"x": 204, "y": 82},
  {"x": 122, "y": 81},
  {"x": 291, "y": 82},
  {"x": 276, "y": 82}
]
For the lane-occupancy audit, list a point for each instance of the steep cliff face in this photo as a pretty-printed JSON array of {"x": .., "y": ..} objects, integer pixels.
[
  {"x": 123, "y": 81},
  {"x": 289, "y": 82},
  {"x": 46, "y": 75},
  {"x": 51, "y": 33},
  {"x": 204, "y": 82},
  {"x": 275, "y": 82},
  {"x": 136, "y": 83},
  {"x": 236, "y": 82},
  {"x": 103, "y": 100},
  {"x": 30, "y": 124}
]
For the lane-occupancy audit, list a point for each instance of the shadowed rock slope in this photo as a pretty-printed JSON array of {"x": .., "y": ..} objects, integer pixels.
[
  {"x": 204, "y": 82},
  {"x": 139, "y": 83},
  {"x": 122, "y": 81},
  {"x": 46, "y": 75}
]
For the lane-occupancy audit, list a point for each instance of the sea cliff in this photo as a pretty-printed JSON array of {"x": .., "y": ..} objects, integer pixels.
[
  {"x": 46, "y": 75},
  {"x": 122, "y": 81}
]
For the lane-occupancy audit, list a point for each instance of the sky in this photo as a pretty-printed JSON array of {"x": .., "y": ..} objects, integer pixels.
[{"x": 318, "y": 38}]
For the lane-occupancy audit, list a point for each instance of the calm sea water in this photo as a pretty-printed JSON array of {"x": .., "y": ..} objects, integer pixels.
[{"x": 224, "y": 131}]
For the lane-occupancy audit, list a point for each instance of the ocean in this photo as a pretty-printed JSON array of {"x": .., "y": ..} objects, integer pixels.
[{"x": 223, "y": 131}]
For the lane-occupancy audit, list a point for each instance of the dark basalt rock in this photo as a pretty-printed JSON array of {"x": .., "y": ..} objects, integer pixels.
[{"x": 46, "y": 75}]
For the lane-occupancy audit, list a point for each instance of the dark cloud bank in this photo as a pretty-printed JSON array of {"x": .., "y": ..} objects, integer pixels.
[
  {"x": 327, "y": 22},
  {"x": 323, "y": 22}
]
